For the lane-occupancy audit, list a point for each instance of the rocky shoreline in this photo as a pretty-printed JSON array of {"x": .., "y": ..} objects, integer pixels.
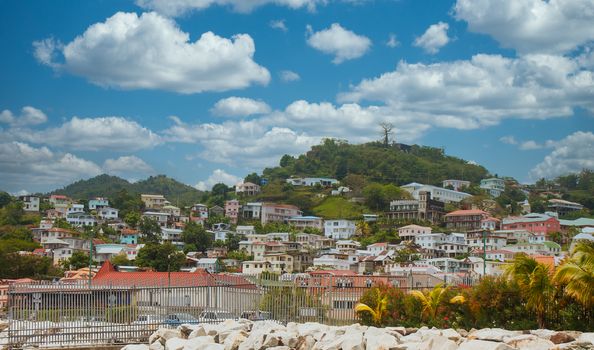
[{"x": 247, "y": 335}]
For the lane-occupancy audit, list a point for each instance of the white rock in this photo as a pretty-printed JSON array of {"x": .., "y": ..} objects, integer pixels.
[
  {"x": 451, "y": 334},
  {"x": 493, "y": 334},
  {"x": 483, "y": 345},
  {"x": 197, "y": 343},
  {"x": 379, "y": 339},
  {"x": 234, "y": 339},
  {"x": 157, "y": 346},
  {"x": 438, "y": 342},
  {"x": 412, "y": 338},
  {"x": 408, "y": 346},
  {"x": 586, "y": 338},
  {"x": 197, "y": 331},
  {"x": 316, "y": 330},
  {"x": 282, "y": 347},
  {"x": 529, "y": 342},
  {"x": 175, "y": 344},
  {"x": 165, "y": 334},
  {"x": 305, "y": 343},
  {"x": 136, "y": 347},
  {"x": 212, "y": 346},
  {"x": 543, "y": 333},
  {"x": 353, "y": 341}
]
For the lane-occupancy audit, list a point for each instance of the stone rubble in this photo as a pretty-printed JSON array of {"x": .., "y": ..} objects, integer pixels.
[{"x": 247, "y": 335}]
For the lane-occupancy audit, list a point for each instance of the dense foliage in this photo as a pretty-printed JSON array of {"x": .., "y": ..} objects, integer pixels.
[
  {"x": 528, "y": 296},
  {"x": 110, "y": 186},
  {"x": 377, "y": 162}
]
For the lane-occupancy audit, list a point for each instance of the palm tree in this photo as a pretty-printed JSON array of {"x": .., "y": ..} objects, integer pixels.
[
  {"x": 534, "y": 282},
  {"x": 577, "y": 274},
  {"x": 433, "y": 299},
  {"x": 377, "y": 312}
]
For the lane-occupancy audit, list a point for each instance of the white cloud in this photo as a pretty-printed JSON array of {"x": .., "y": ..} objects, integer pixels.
[
  {"x": 112, "y": 133},
  {"x": 434, "y": 38},
  {"x": 340, "y": 42},
  {"x": 571, "y": 154},
  {"x": 24, "y": 166},
  {"x": 151, "y": 52},
  {"x": 278, "y": 24},
  {"x": 553, "y": 26},
  {"x": 479, "y": 92},
  {"x": 529, "y": 145},
  {"x": 510, "y": 140},
  {"x": 45, "y": 51},
  {"x": 288, "y": 76},
  {"x": 218, "y": 176},
  {"x": 392, "y": 41},
  {"x": 239, "y": 107},
  {"x": 127, "y": 166},
  {"x": 180, "y": 7},
  {"x": 29, "y": 116}
]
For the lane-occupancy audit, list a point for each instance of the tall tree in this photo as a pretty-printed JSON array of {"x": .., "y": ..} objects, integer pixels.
[
  {"x": 160, "y": 257},
  {"x": 150, "y": 230},
  {"x": 577, "y": 274},
  {"x": 196, "y": 235},
  {"x": 534, "y": 282},
  {"x": 386, "y": 132}
]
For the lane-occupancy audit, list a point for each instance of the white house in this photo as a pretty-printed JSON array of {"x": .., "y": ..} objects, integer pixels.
[
  {"x": 30, "y": 203},
  {"x": 75, "y": 208},
  {"x": 255, "y": 267},
  {"x": 303, "y": 222},
  {"x": 245, "y": 230},
  {"x": 339, "y": 229},
  {"x": 81, "y": 219},
  {"x": 456, "y": 184},
  {"x": 332, "y": 262},
  {"x": 108, "y": 213},
  {"x": 437, "y": 193},
  {"x": 409, "y": 232},
  {"x": 172, "y": 235},
  {"x": 494, "y": 186},
  {"x": 312, "y": 181},
  {"x": 161, "y": 218},
  {"x": 97, "y": 203},
  {"x": 247, "y": 188}
]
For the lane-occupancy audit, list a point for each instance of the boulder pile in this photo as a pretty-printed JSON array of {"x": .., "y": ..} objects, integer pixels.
[{"x": 247, "y": 335}]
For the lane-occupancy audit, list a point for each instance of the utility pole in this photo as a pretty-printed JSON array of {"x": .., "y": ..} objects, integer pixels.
[{"x": 484, "y": 253}]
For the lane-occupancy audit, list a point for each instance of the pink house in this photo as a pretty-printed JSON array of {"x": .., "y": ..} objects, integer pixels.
[
  {"x": 535, "y": 223},
  {"x": 232, "y": 210}
]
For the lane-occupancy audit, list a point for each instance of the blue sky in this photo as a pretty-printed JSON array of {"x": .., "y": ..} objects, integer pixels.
[{"x": 207, "y": 91}]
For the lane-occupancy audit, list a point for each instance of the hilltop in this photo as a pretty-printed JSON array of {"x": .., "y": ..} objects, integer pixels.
[
  {"x": 108, "y": 186},
  {"x": 396, "y": 164}
]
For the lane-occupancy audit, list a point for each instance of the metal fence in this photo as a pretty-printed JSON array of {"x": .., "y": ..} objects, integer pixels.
[{"x": 47, "y": 315}]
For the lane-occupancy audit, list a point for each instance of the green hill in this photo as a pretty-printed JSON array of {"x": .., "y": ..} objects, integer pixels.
[
  {"x": 109, "y": 186},
  {"x": 396, "y": 164}
]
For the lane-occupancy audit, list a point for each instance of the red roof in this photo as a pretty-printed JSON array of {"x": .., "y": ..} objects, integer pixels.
[
  {"x": 108, "y": 275},
  {"x": 129, "y": 231},
  {"x": 333, "y": 273},
  {"x": 466, "y": 212}
]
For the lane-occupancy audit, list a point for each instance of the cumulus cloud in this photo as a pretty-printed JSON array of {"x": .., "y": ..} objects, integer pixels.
[
  {"x": 434, "y": 38},
  {"x": 529, "y": 26},
  {"x": 36, "y": 169},
  {"x": 288, "y": 76},
  {"x": 29, "y": 116},
  {"x": 509, "y": 140},
  {"x": 392, "y": 41},
  {"x": 181, "y": 7},
  {"x": 239, "y": 107},
  {"x": 92, "y": 134},
  {"x": 151, "y": 52},
  {"x": 479, "y": 92},
  {"x": 278, "y": 24},
  {"x": 571, "y": 154},
  {"x": 127, "y": 166},
  {"x": 218, "y": 176},
  {"x": 340, "y": 42}
]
